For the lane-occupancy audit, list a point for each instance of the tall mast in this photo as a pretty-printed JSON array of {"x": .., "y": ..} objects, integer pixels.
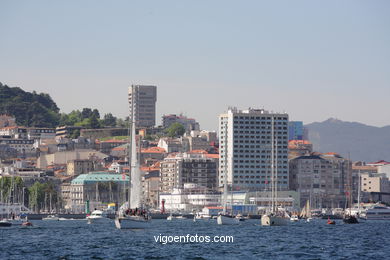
[
  {"x": 272, "y": 167},
  {"x": 131, "y": 119},
  {"x": 276, "y": 172},
  {"x": 359, "y": 180},
  {"x": 225, "y": 171}
]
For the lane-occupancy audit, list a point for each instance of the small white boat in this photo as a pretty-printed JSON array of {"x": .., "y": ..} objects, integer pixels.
[
  {"x": 51, "y": 217},
  {"x": 180, "y": 217},
  {"x": 294, "y": 218},
  {"x": 224, "y": 219},
  {"x": 170, "y": 217},
  {"x": 202, "y": 216},
  {"x": 97, "y": 216}
]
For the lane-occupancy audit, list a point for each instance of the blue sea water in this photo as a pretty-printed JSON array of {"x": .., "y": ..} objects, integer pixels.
[{"x": 75, "y": 239}]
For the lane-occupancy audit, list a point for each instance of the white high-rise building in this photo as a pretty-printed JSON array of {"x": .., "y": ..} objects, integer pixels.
[
  {"x": 144, "y": 99},
  {"x": 249, "y": 149}
]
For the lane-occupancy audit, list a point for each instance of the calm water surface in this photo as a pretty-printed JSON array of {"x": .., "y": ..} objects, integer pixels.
[{"x": 75, "y": 239}]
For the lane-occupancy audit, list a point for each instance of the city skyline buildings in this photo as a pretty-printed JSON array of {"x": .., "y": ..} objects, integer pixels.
[
  {"x": 315, "y": 60},
  {"x": 145, "y": 98},
  {"x": 255, "y": 142}
]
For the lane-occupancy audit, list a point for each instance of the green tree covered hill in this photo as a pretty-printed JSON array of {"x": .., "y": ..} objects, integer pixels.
[{"x": 29, "y": 109}]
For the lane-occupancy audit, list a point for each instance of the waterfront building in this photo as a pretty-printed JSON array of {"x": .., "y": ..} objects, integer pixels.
[
  {"x": 249, "y": 147},
  {"x": 375, "y": 187},
  {"x": 181, "y": 168},
  {"x": 97, "y": 187},
  {"x": 320, "y": 178},
  {"x": 189, "y": 198},
  {"x": 144, "y": 100}
]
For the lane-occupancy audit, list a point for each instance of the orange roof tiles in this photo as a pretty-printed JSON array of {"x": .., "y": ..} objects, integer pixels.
[
  {"x": 153, "y": 150},
  {"x": 118, "y": 149},
  {"x": 198, "y": 151},
  {"x": 299, "y": 142},
  {"x": 212, "y": 155}
]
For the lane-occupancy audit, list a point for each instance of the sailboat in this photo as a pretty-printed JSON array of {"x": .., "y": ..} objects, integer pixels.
[
  {"x": 274, "y": 218},
  {"x": 132, "y": 215},
  {"x": 349, "y": 218},
  {"x": 225, "y": 218},
  {"x": 306, "y": 212}
]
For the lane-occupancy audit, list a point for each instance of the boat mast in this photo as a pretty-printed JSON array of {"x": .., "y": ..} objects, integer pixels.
[
  {"x": 276, "y": 174},
  {"x": 358, "y": 199},
  {"x": 225, "y": 171},
  {"x": 131, "y": 119},
  {"x": 272, "y": 167}
]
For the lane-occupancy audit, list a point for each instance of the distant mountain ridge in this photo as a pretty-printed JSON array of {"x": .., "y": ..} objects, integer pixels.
[{"x": 359, "y": 141}]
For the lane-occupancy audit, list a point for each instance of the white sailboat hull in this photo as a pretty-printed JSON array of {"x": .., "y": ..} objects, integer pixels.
[
  {"x": 225, "y": 220},
  {"x": 268, "y": 220},
  {"x": 132, "y": 222}
]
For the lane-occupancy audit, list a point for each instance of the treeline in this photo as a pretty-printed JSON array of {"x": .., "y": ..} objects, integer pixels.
[
  {"x": 39, "y": 110},
  {"x": 90, "y": 118}
]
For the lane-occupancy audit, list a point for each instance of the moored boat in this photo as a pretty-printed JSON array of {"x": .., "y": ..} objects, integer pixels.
[
  {"x": 51, "y": 217},
  {"x": 5, "y": 223},
  {"x": 97, "y": 216},
  {"x": 378, "y": 212}
]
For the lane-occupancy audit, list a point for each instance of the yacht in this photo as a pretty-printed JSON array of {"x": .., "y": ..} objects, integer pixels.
[
  {"x": 274, "y": 217},
  {"x": 224, "y": 217},
  {"x": 132, "y": 214},
  {"x": 378, "y": 212}
]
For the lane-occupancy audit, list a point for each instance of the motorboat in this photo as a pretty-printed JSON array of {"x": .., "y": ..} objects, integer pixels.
[
  {"x": 27, "y": 224},
  {"x": 294, "y": 218},
  {"x": 240, "y": 217},
  {"x": 378, "y": 212},
  {"x": 5, "y": 223},
  {"x": 97, "y": 216},
  {"x": 170, "y": 217},
  {"x": 51, "y": 217}
]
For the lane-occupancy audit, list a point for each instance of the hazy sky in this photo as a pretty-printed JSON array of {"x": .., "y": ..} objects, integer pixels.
[{"x": 312, "y": 59}]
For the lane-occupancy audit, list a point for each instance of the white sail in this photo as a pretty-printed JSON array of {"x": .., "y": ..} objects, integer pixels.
[{"x": 135, "y": 172}]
